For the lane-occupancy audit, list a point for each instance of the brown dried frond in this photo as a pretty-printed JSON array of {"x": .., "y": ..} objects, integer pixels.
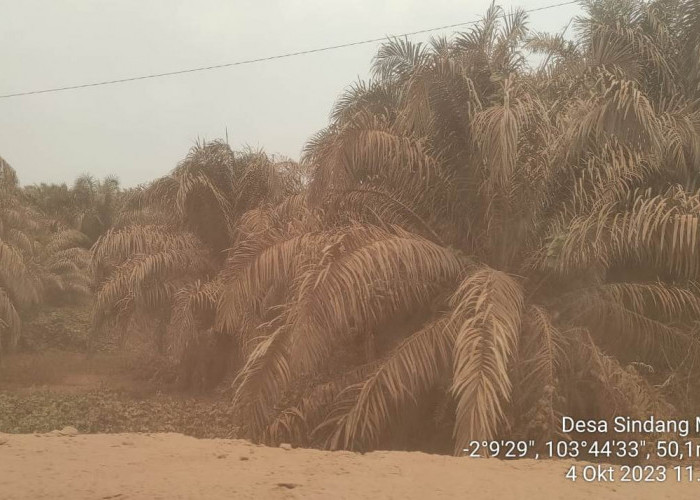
[
  {"x": 487, "y": 314},
  {"x": 403, "y": 377}
]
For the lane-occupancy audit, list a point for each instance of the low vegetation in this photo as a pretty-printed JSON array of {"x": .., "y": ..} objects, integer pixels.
[
  {"x": 116, "y": 391},
  {"x": 108, "y": 411}
]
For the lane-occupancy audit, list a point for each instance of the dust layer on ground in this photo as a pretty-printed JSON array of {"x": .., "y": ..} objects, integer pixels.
[{"x": 63, "y": 465}]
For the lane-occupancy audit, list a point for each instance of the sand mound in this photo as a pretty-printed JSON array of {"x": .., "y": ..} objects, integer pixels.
[{"x": 121, "y": 466}]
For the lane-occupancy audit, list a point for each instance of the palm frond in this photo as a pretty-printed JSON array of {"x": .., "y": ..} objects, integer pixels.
[
  {"x": 487, "y": 313},
  {"x": 409, "y": 371}
]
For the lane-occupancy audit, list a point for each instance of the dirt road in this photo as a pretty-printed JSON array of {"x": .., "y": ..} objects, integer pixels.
[{"x": 168, "y": 466}]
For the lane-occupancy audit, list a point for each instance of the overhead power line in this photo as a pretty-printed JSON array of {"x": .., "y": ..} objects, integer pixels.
[{"x": 261, "y": 59}]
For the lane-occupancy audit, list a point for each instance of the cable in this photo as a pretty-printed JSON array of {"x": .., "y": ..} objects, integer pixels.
[{"x": 251, "y": 61}]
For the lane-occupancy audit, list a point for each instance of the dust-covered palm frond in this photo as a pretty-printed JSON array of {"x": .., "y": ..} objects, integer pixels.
[
  {"x": 498, "y": 130},
  {"x": 326, "y": 264},
  {"x": 259, "y": 381},
  {"x": 194, "y": 307},
  {"x": 398, "y": 58},
  {"x": 378, "y": 207},
  {"x": 608, "y": 176},
  {"x": 254, "y": 268},
  {"x": 143, "y": 273},
  {"x": 67, "y": 273},
  {"x": 200, "y": 191},
  {"x": 136, "y": 214},
  {"x": 64, "y": 240},
  {"x": 20, "y": 240},
  {"x": 265, "y": 181},
  {"x": 658, "y": 230},
  {"x": 642, "y": 318},
  {"x": 70, "y": 258},
  {"x": 631, "y": 26},
  {"x": 375, "y": 97},
  {"x": 193, "y": 186},
  {"x": 396, "y": 175},
  {"x": 542, "y": 352},
  {"x": 349, "y": 281},
  {"x": 8, "y": 177},
  {"x": 384, "y": 275},
  {"x": 11, "y": 259},
  {"x": 291, "y": 212},
  {"x": 370, "y": 150},
  {"x": 616, "y": 389},
  {"x": 118, "y": 245},
  {"x": 10, "y": 323},
  {"x": 409, "y": 371},
  {"x": 478, "y": 43},
  {"x": 638, "y": 333},
  {"x": 680, "y": 124},
  {"x": 487, "y": 314},
  {"x": 307, "y": 422},
  {"x": 670, "y": 303},
  {"x": 17, "y": 278},
  {"x": 16, "y": 213},
  {"x": 689, "y": 14},
  {"x": 554, "y": 46},
  {"x": 439, "y": 99},
  {"x": 570, "y": 194},
  {"x": 507, "y": 53},
  {"x": 155, "y": 266},
  {"x": 140, "y": 270},
  {"x": 620, "y": 110},
  {"x": 542, "y": 361}
]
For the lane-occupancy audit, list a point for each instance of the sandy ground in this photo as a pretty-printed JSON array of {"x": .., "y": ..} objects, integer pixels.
[{"x": 167, "y": 466}]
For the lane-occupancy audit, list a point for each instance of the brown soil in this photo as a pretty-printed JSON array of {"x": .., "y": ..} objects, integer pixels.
[{"x": 121, "y": 466}]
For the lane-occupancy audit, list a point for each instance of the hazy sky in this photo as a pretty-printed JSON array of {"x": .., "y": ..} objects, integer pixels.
[{"x": 140, "y": 130}]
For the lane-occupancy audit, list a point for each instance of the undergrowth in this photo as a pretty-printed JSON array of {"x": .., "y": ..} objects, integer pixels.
[{"x": 106, "y": 411}]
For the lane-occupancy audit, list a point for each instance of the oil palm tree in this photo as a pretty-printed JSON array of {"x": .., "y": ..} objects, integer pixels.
[
  {"x": 506, "y": 238},
  {"x": 89, "y": 205},
  {"x": 39, "y": 260},
  {"x": 160, "y": 264}
]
